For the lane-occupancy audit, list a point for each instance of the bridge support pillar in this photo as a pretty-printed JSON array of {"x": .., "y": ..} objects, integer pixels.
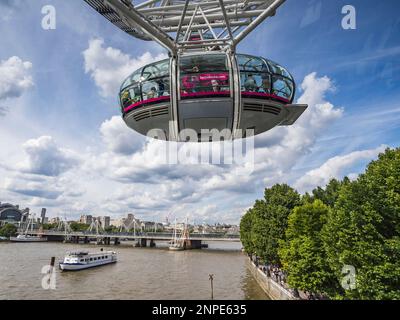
[
  {"x": 86, "y": 240},
  {"x": 152, "y": 243},
  {"x": 143, "y": 242},
  {"x": 116, "y": 241},
  {"x": 193, "y": 244}
]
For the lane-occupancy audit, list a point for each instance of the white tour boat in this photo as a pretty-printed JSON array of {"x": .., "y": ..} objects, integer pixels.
[{"x": 75, "y": 261}]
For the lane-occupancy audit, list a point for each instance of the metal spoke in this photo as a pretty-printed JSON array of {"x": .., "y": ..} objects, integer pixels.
[{"x": 164, "y": 21}]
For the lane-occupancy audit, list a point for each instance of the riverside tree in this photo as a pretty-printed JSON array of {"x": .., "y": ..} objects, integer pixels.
[
  {"x": 246, "y": 224},
  {"x": 270, "y": 220},
  {"x": 327, "y": 195},
  {"x": 8, "y": 230},
  {"x": 302, "y": 253},
  {"x": 363, "y": 230}
]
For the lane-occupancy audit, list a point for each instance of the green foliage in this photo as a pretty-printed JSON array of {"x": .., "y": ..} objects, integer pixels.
[
  {"x": 78, "y": 227},
  {"x": 363, "y": 230},
  {"x": 327, "y": 195},
  {"x": 49, "y": 226},
  {"x": 111, "y": 229},
  {"x": 246, "y": 224},
  {"x": 302, "y": 254},
  {"x": 266, "y": 222},
  {"x": 354, "y": 223},
  {"x": 8, "y": 230}
]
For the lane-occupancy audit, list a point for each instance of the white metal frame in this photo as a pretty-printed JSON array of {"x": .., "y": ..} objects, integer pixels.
[{"x": 172, "y": 22}]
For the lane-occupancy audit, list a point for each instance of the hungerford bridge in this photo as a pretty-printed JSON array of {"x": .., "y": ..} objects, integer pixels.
[{"x": 140, "y": 239}]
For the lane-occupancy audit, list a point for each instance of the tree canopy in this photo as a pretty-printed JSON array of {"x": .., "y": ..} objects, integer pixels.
[
  {"x": 346, "y": 224},
  {"x": 8, "y": 230}
]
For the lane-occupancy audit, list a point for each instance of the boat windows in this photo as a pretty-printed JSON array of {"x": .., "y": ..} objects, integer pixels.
[{"x": 202, "y": 74}]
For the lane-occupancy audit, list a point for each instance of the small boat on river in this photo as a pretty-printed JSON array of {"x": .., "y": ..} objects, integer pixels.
[{"x": 80, "y": 260}]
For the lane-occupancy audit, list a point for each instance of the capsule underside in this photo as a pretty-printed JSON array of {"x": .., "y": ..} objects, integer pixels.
[{"x": 238, "y": 95}]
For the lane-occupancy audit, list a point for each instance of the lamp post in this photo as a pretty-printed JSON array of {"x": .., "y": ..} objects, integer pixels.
[{"x": 211, "y": 278}]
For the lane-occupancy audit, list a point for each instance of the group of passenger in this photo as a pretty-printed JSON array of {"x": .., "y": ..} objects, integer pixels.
[
  {"x": 250, "y": 84},
  {"x": 132, "y": 95}
]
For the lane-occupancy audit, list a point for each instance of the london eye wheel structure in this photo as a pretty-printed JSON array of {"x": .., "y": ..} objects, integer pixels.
[{"x": 204, "y": 84}]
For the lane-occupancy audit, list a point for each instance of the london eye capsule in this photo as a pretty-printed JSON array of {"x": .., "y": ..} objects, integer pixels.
[{"x": 205, "y": 86}]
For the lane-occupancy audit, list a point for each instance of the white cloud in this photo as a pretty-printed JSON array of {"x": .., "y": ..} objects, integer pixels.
[
  {"x": 119, "y": 138},
  {"x": 109, "y": 67},
  {"x": 15, "y": 77},
  {"x": 131, "y": 175},
  {"x": 44, "y": 157},
  {"x": 3, "y": 111},
  {"x": 336, "y": 167},
  {"x": 34, "y": 189},
  {"x": 146, "y": 181}
]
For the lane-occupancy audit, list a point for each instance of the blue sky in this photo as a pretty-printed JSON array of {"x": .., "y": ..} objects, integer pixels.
[{"x": 64, "y": 146}]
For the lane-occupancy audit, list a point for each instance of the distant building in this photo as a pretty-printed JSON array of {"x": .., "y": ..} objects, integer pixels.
[
  {"x": 128, "y": 223},
  {"x": 105, "y": 222},
  {"x": 147, "y": 226},
  {"x": 55, "y": 220},
  {"x": 150, "y": 226},
  {"x": 86, "y": 219},
  {"x": 117, "y": 222},
  {"x": 43, "y": 215},
  {"x": 12, "y": 214}
]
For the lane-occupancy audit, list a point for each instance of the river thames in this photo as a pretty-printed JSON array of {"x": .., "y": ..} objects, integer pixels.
[{"x": 141, "y": 273}]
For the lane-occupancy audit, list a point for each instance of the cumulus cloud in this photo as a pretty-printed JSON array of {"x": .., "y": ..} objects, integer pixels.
[
  {"x": 34, "y": 189},
  {"x": 336, "y": 167},
  {"x": 119, "y": 138},
  {"x": 15, "y": 77},
  {"x": 109, "y": 66},
  {"x": 131, "y": 172},
  {"x": 149, "y": 182},
  {"x": 44, "y": 157},
  {"x": 3, "y": 111}
]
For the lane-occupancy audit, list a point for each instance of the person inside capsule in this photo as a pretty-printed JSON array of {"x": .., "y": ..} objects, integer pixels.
[
  {"x": 250, "y": 84},
  {"x": 126, "y": 99},
  {"x": 152, "y": 93},
  {"x": 266, "y": 84}
]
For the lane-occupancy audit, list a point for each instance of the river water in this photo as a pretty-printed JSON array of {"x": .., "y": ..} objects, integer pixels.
[{"x": 141, "y": 273}]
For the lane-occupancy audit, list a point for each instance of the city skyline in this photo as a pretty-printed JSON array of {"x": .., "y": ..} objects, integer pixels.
[{"x": 65, "y": 147}]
